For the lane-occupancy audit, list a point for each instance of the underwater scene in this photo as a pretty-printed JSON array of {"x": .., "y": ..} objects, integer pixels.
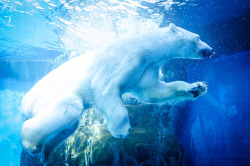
[{"x": 124, "y": 82}]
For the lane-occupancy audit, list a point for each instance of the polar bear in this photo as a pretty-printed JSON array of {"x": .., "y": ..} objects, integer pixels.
[{"x": 130, "y": 65}]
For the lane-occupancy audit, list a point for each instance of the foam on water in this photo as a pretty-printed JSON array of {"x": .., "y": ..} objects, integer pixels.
[{"x": 75, "y": 25}]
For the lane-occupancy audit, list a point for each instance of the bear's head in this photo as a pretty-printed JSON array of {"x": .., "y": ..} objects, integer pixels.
[{"x": 189, "y": 44}]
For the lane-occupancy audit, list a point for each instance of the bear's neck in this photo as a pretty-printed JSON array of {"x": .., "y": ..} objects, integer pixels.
[{"x": 162, "y": 52}]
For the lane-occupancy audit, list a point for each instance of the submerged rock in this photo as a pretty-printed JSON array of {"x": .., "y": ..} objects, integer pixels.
[{"x": 149, "y": 143}]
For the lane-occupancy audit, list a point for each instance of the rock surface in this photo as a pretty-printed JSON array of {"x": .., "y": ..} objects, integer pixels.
[{"x": 149, "y": 143}]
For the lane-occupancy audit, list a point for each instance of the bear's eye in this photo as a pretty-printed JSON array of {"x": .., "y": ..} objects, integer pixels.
[{"x": 198, "y": 38}]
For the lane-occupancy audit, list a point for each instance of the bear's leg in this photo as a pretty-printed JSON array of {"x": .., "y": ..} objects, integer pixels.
[
  {"x": 117, "y": 115},
  {"x": 163, "y": 92},
  {"x": 49, "y": 123},
  {"x": 53, "y": 142}
]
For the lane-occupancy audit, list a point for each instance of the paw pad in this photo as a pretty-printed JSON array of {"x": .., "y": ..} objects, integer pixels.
[{"x": 199, "y": 89}]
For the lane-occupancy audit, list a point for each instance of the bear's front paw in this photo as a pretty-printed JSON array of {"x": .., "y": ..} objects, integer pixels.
[
  {"x": 31, "y": 148},
  {"x": 200, "y": 88},
  {"x": 119, "y": 131},
  {"x": 44, "y": 157}
]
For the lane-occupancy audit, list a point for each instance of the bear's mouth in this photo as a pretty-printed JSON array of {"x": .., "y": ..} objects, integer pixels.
[{"x": 207, "y": 53}]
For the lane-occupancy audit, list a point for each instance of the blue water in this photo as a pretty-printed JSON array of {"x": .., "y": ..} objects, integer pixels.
[
  {"x": 36, "y": 36},
  {"x": 215, "y": 129}
]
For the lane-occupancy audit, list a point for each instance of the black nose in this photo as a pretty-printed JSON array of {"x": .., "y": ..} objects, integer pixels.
[{"x": 207, "y": 52}]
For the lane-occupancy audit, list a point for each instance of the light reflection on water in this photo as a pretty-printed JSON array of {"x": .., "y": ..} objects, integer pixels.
[{"x": 75, "y": 25}]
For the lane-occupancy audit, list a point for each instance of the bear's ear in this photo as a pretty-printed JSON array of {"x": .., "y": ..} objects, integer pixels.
[{"x": 172, "y": 27}]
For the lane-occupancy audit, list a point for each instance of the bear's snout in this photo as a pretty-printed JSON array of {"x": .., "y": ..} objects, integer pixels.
[{"x": 206, "y": 53}]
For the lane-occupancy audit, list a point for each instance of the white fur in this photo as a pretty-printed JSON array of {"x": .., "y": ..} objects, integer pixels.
[{"x": 131, "y": 65}]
